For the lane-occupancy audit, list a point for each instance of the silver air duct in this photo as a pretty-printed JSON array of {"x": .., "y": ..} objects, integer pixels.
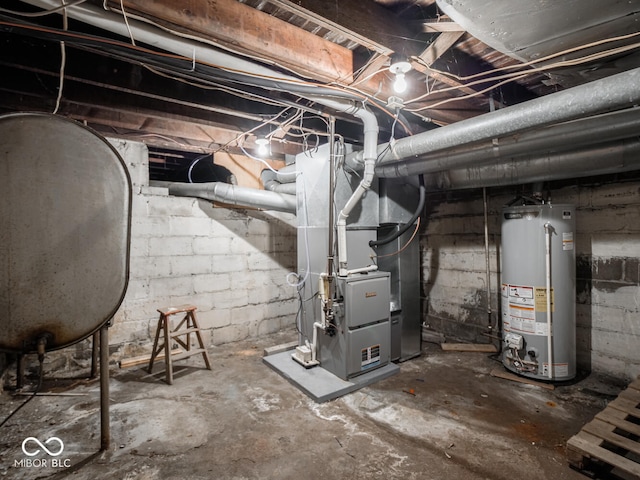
[
  {"x": 615, "y": 157},
  {"x": 562, "y": 137},
  {"x": 235, "y": 195},
  {"x": 612, "y": 93}
]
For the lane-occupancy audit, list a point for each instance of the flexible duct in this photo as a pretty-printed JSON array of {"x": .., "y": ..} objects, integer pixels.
[
  {"x": 616, "y": 157},
  {"x": 235, "y": 195}
]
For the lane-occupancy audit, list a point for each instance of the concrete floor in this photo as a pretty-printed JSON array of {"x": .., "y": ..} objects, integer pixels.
[{"x": 442, "y": 417}]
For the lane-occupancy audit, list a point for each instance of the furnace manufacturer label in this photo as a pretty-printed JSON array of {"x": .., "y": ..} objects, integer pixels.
[{"x": 370, "y": 356}]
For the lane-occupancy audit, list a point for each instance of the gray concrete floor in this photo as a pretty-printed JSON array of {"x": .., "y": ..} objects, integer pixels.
[{"x": 442, "y": 417}]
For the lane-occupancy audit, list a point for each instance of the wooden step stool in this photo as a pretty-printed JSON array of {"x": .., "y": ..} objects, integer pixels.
[{"x": 185, "y": 327}]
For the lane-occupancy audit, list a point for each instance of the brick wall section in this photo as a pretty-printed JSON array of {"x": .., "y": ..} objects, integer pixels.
[
  {"x": 231, "y": 264},
  {"x": 607, "y": 269}
]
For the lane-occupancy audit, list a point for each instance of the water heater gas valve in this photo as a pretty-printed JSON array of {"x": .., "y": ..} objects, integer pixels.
[{"x": 513, "y": 340}]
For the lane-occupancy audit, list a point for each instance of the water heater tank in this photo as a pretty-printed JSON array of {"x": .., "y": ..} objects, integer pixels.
[{"x": 538, "y": 291}]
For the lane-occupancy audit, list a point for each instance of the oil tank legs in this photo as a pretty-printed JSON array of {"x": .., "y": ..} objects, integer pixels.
[{"x": 105, "y": 437}]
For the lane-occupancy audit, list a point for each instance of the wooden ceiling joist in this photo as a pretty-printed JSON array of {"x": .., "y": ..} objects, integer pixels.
[{"x": 240, "y": 28}]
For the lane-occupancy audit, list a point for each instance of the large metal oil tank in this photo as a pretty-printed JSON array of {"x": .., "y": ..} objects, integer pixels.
[
  {"x": 65, "y": 215},
  {"x": 538, "y": 291}
]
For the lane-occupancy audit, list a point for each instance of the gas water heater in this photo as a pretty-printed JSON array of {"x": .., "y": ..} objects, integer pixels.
[{"x": 538, "y": 291}]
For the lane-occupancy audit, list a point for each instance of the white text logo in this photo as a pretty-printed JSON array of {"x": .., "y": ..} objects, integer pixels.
[{"x": 28, "y": 450}]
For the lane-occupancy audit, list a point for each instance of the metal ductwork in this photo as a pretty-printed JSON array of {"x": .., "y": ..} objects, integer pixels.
[
  {"x": 561, "y": 137},
  {"x": 551, "y": 28},
  {"x": 612, "y": 93},
  {"x": 235, "y": 195},
  {"x": 615, "y": 157},
  {"x": 271, "y": 183},
  {"x": 252, "y": 74}
]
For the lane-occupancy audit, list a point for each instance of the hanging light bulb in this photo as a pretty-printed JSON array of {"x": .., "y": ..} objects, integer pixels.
[
  {"x": 399, "y": 66},
  {"x": 263, "y": 146},
  {"x": 400, "y": 85}
]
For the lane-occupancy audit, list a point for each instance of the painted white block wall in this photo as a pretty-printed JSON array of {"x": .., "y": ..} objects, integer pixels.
[
  {"x": 231, "y": 264},
  {"x": 608, "y": 270}
]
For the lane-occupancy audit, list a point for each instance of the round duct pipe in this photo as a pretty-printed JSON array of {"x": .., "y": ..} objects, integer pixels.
[
  {"x": 612, "y": 93},
  {"x": 604, "y": 159},
  {"x": 561, "y": 137},
  {"x": 234, "y": 195}
]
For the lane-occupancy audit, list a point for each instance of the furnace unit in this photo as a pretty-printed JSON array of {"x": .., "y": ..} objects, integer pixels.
[{"x": 361, "y": 341}]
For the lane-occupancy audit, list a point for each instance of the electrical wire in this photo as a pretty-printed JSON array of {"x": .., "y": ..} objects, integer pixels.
[
  {"x": 44, "y": 12},
  {"x": 532, "y": 62},
  {"x": 244, "y": 134},
  {"x": 126, "y": 22},
  {"x": 193, "y": 164},
  {"x": 33, "y": 394},
  {"x": 63, "y": 60},
  {"x": 464, "y": 97},
  {"x": 415, "y": 231},
  {"x": 519, "y": 75},
  {"x": 144, "y": 55}
]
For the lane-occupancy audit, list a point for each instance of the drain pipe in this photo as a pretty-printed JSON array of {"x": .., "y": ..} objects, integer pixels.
[{"x": 369, "y": 154}]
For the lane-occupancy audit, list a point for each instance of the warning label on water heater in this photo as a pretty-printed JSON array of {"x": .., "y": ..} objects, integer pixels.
[
  {"x": 541, "y": 299},
  {"x": 520, "y": 303},
  {"x": 567, "y": 241}
]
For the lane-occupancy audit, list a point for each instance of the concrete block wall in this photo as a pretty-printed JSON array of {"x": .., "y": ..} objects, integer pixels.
[
  {"x": 454, "y": 279},
  {"x": 607, "y": 269},
  {"x": 230, "y": 264}
]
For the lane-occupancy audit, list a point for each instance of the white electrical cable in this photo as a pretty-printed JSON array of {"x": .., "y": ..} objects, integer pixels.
[
  {"x": 126, "y": 22},
  {"x": 63, "y": 59},
  {"x": 64, "y": 6}
]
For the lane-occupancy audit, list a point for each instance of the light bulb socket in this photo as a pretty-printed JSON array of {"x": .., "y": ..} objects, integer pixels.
[
  {"x": 263, "y": 145},
  {"x": 399, "y": 64}
]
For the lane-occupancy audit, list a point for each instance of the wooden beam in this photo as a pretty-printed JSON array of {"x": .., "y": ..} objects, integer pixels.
[
  {"x": 444, "y": 42},
  {"x": 298, "y": 10},
  {"x": 438, "y": 26},
  {"x": 439, "y": 46},
  {"x": 469, "y": 347},
  {"x": 243, "y": 29},
  {"x": 384, "y": 31}
]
